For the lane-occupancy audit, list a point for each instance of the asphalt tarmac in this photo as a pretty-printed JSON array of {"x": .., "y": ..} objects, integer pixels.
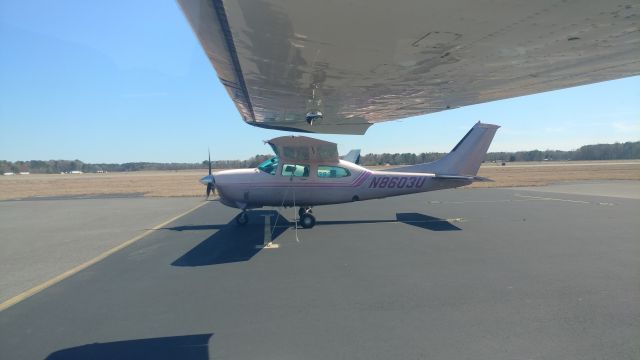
[
  {"x": 41, "y": 238},
  {"x": 456, "y": 274}
]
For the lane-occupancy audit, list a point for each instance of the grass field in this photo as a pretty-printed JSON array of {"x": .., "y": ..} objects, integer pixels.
[{"x": 185, "y": 183}]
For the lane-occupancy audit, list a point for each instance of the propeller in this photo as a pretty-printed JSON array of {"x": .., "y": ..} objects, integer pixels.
[{"x": 209, "y": 180}]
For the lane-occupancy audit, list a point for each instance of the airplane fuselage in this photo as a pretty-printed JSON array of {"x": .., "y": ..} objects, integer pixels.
[
  {"x": 253, "y": 188},
  {"x": 307, "y": 172}
]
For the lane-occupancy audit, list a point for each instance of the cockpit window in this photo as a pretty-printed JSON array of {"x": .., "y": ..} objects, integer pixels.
[
  {"x": 269, "y": 166},
  {"x": 332, "y": 172}
]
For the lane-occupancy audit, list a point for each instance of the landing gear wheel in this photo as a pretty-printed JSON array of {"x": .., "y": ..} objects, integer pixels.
[
  {"x": 303, "y": 211},
  {"x": 242, "y": 219},
  {"x": 307, "y": 220}
]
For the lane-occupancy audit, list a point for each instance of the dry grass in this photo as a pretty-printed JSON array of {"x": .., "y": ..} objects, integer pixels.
[
  {"x": 149, "y": 183},
  {"x": 185, "y": 183},
  {"x": 539, "y": 174}
]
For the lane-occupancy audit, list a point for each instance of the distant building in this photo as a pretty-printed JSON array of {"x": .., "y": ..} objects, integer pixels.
[
  {"x": 24, "y": 173},
  {"x": 8, "y": 174},
  {"x": 76, "y": 172}
]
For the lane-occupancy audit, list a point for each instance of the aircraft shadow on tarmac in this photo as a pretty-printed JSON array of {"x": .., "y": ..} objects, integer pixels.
[
  {"x": 187, "y": 347},
  {"x": 232, "y": 243},
  {"x": 415, "y": 219}
]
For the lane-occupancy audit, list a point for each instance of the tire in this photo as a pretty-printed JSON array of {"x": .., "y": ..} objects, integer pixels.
[
  {"x": 242, "y": 219},
  {"x": 307, "y": 221}
]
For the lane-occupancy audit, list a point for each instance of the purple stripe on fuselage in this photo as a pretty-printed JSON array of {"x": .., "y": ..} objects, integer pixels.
[{"x": 357, "y": 182}]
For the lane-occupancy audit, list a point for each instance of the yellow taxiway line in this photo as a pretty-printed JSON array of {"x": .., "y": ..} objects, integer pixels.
[{"x": 36, "y": 289}]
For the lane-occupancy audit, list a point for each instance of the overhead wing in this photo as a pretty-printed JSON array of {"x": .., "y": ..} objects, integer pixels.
[{"x": 350, "y": 64}]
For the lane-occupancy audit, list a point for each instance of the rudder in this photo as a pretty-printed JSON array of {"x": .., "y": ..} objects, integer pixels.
[{"x": 466, "y": 156}]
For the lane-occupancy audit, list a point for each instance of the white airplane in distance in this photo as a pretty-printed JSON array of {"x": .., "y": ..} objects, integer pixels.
[{"x": 307, "y": 172}]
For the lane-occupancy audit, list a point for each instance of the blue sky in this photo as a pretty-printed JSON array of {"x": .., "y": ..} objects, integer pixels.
[{"x": 127, "y": 81}]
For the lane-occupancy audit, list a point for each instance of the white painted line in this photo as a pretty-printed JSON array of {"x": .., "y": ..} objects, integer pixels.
[
  {"x": 268, "y": 246},
  {"x": 36, "y": 289},
  {"x": 469, "y": 202},
  {"x": 606, "y": 204},
  {"x": 552, "y": 199},
  {"x": 523, "y": 198}
]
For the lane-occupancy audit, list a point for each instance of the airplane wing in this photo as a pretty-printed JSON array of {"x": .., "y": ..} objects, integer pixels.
[{"x": 346, "y": 65}]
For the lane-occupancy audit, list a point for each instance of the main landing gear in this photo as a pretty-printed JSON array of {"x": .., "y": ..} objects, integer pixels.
[
  {"x": 242, "y": 219},
  {"x": 306, "y": 219}
]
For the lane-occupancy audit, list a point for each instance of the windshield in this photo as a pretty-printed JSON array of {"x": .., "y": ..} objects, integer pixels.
[{"x": 269, "y": 166}]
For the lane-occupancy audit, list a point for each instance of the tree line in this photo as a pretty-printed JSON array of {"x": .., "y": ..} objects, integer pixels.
[
  {"x": 617, "y": 151},
  {"x": 66, "y": 166}
]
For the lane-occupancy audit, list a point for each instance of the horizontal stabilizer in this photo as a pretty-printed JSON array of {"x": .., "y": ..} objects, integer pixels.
[{"x": 463, "y": 178}]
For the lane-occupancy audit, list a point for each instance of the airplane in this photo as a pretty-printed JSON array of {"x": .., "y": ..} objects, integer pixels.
[{"x": 307, "y": 172}]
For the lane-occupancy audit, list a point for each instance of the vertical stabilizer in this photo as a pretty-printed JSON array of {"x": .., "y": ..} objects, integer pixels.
[
  {"x": 466, "y": 156},
  {"x": 353, "y": 156}
]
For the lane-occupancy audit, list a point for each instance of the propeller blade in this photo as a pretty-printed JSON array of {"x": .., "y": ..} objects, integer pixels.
[{"x": 209, "y": 180}]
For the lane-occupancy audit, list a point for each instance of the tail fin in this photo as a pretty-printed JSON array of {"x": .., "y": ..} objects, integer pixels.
[
  {"x": 353, "y": 156},
  {"x": 466, "y": 156}
]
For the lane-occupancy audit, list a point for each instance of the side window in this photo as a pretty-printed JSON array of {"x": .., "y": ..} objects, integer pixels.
[
  {"x": 332, "y": 172},
  {"x": 295, "y": 170}
]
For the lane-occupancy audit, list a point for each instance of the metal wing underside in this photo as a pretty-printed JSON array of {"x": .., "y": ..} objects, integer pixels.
[{"x": 362, "y": 62}]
